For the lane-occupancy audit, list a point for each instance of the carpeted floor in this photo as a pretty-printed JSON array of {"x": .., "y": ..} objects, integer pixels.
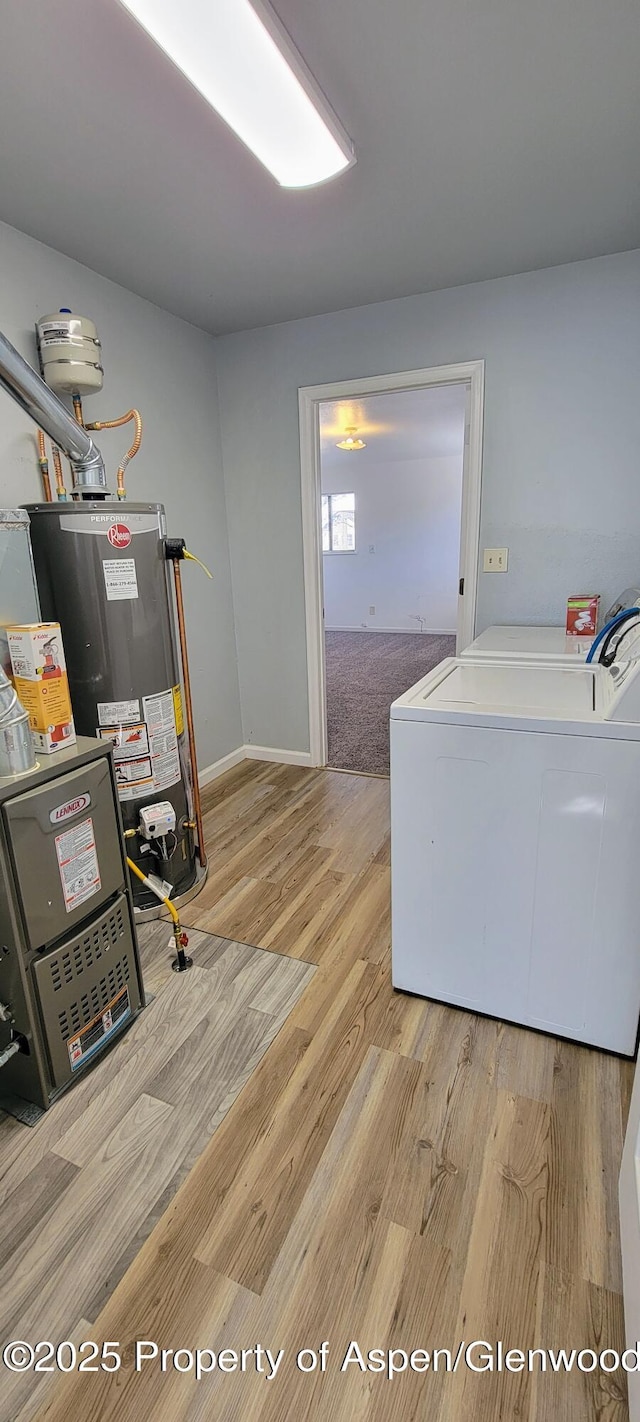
[{"x": 366, "y": 671}]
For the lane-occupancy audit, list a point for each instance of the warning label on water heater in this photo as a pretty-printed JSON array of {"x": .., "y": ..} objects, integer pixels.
[
  {"x": 129, "y": 742},
  {"x": 113, "y": 713},
  {"x": 78, "y": 864},
  {"x": 145, "y": 744},
  {"x": 160, "y": 716},
  {"x": 134, "y": 775},
  {"x": 133, "y": 778},
  {"x": 120, "y": 579}
]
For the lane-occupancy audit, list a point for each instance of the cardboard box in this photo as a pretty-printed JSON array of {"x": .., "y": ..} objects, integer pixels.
[
  {"x": 582, "y": 615},
  {"x": 40, "y": 679}
]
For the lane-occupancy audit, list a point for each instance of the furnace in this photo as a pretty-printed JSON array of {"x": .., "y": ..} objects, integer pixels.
[{"x": 70, "y": 978}]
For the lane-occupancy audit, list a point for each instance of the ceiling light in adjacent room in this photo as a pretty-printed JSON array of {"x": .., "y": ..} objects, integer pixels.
[
  {"x": 243, "y": 63},
  {"x": 349, "y": 442}
]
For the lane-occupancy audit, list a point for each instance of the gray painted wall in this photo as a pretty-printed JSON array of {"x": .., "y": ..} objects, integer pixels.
[
  {"x": 407, "y": 557},
  {"x": 167, "y": 368},
  {"x": 561, "y": 452},
  {"x": 562, "y": 442}
]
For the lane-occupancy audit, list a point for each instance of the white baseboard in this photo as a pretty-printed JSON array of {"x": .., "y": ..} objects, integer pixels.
[
  {"x": 284, "y": 757},
  {"x": 219, "y": 767},
  {"x": 411, "y": 631},
  {"x": 274, "y": 753}
]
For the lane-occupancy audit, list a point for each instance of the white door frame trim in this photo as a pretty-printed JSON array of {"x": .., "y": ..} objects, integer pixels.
[{"x": 470, "y": 373}]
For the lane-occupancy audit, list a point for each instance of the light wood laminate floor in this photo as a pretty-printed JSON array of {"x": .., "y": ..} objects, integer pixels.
[
  {"x": 394, "y": 1172},
  {"x": 82, "y": 1190}
]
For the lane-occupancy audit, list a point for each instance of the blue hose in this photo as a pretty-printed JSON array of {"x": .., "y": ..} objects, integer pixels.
[{"x": 608, "y": 627}]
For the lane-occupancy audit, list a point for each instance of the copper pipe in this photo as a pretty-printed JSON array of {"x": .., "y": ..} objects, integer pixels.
[
  {"x": 131, "y": 453},
  {"x": 57, "y": 464},
  {"x": 77, "y": 410},
  {"x": 44, "y": 467},
  {"x": 188, "y": 706}
]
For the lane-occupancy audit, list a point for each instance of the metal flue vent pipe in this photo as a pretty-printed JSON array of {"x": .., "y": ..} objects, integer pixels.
[
  {"x": 20, "y": 380},
  {"x": 17, "y": 754}
]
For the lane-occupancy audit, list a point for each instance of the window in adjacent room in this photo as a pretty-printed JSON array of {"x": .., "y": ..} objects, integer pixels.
[{"x": 338, "y": 523}]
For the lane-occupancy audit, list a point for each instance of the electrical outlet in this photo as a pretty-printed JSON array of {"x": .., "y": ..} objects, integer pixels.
[
  {"x": 495, "y": 560},
  {"x": 372, "y": 612}
]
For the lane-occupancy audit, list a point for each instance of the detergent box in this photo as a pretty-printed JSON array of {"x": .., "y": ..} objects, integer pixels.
[
  {"x": 40, "y": 679},
  {"x": 582, "y": 615}
]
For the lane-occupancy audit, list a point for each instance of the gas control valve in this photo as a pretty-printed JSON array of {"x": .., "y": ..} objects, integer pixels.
[{"x": 157, "y": 820}]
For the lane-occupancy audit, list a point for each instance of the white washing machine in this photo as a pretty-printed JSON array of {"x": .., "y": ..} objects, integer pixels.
[
  {"x": 537, "y": 644},
  {"x": 541, "y": 644},
  {"x": 515, "y": 814}
]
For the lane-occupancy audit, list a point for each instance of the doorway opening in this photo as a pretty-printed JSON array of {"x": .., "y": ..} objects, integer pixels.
[{"x": 391, "y": 502}]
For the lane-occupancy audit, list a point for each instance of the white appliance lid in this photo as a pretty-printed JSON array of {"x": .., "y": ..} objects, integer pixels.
[
  {"x": 567, "y": 693},
  {"x": 550, "y": 640}
]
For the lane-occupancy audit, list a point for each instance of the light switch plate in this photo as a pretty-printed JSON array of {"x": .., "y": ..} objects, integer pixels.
[{"x": 496, "y": 560}]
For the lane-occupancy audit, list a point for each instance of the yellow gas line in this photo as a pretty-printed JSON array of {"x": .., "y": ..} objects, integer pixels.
[
  {"x": 147, "y": 882},
  {"x": 182, "y": 961}
]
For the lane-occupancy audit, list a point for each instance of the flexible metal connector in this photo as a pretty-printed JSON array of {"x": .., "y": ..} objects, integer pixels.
[
  {"x": 21, "y": 382},
  {"x": 44, "y": 467},
  {"x": 132, "y": 451},
  {"x": 8, "y": 1053}
]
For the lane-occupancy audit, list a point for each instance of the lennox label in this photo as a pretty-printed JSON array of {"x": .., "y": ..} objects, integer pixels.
[
  {"x": 72, "y": 807},
  {"x": 119, "y": 535}
]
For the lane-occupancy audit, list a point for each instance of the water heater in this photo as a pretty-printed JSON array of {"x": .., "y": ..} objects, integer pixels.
[{"x": 103, "y": 575}]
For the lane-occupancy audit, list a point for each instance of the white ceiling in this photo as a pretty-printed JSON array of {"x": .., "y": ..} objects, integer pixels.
[
  {"x": 493, "y": 136},
  {"x": 405, "y": 424}
]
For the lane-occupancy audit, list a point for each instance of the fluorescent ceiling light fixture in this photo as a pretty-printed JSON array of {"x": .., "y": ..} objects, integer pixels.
[{"x": 243, "y": 63}]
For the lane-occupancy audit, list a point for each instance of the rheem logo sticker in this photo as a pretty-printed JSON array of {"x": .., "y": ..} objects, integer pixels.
[{"x": 119, "y": 535}]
